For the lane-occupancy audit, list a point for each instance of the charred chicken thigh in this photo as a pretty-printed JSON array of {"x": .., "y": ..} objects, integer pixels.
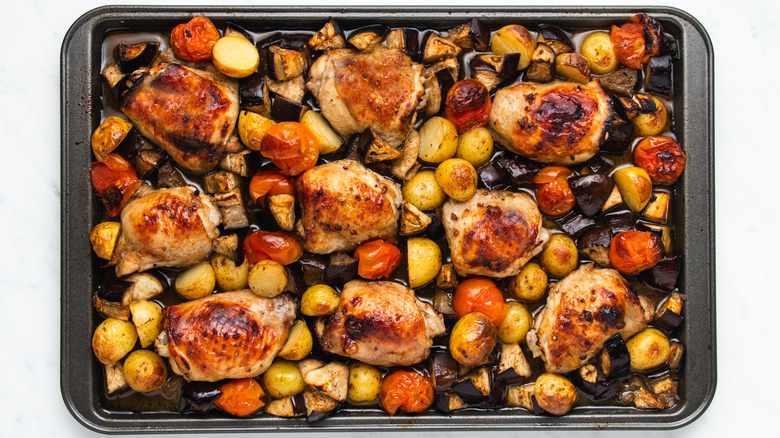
[
  {"x": 494, "y": 233},
  {"x": 381, "y": 89},
  {"x": 583, "y": 310},
  {"x": 380, "y": 323},
  {"x": 344, "y": 204},
  {"x": 167, "y": 227},
  {"x": 229, "y": 335},
  {"x": 560, "y": 122}
]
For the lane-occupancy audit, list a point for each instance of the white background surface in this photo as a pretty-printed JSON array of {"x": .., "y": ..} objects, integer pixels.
[{"x": 744, "y": 35}]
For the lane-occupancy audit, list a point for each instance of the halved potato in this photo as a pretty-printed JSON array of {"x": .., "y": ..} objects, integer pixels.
[
  {"x": 424, "y": 260},
  {"x": 597, "y": 48},
  {"x": 235, "y": 56},
  {"x": 228, "y": 275},
  {"x": 326, "y": 136},
  {"x": 438, "y": 140},
  {"x": 299, "y": 343},
  {"x": 109, "y": 135},
  {"x": 252, "y": 128},
  {"x": 148, "y": 320},
  {"x": 635, "y": 187},
  {"x": 573, "y": 67},
  {"x": 196, "y": 282},
  {"x": 267, "y": 278},
  {"x": 514, "y": 38}
]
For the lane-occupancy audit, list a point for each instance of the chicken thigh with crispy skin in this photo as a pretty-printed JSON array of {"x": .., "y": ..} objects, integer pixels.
[
  {"x": 560, "y": 122},
  {"x": 344, "y": 204},
  {"x": 167, "y": 227},
  {"x": 494, "y": 233},
  {"x": 380, "y": 323},
  {"x": 381, "y": 89},
  {"x": 229, "y": 335},
  {"x": 583, "y": 310}
]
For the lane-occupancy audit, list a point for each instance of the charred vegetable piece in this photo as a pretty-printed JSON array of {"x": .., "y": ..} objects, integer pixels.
[
  {"x": 636, "y": 105},
  {"x": 199, "y": 396},
  {"x": 573, "y": 67},
  {"x": 366, "y": 37},
  {"x": 472, "y": 339},
  {"x": 653, "y": 123},
  {"x": 283, "y": 64},
  {"x": 552, "y": 190},
  {"x": 115, "y": 378},
  {"x": 436, "y": 87},
  {"x": 437, "y": 48},
  {"x": 193, "y": 41},
  {"x": 597, "y": 48},
  {"x": 253, "y": 94},
  {"x": 475, "y": 387},
  {"x": 313, "y": 267},
  {"x": 658, "y": 75},
  {"x": 449, "y": 402},
  {"x": 492, "y": 177},
  {"x": 523, "y": 396},
  {"x": 591, "y": 191},
  {"x": 635, "y": 186},
  {"x": 574, "y": 223},
  {"x": 293, "y": 89},
  {"x": 637, "y": 40},
  {"x": 504, "y": 66},
  {"x": 518, "y": 170},
  {"x": 621, "y": 132},
  {"x": 109, "y": 135},
  {"x": 622, "y": 82},
  {"x": 474, "y": 34},
  {"x": 443, "y": 370},
  {"x": 376, "y": 149},
  {"x": 620, "y": 221},
  {"x": 377, "y": 259},
  {"x": 221, "y": 181},
  {"x": 669, "y": 315},
  {"x": 614, "y": 359},
  {"x": 542, "y": 66},
  {"x": 663, "y": 231},
  {"x": 661, "y": 157},
  {"x": 657, "y": 210},
  {"x": 332, "y": 379},
  {"x": 663, "y": 275},
  {"x": 131, "y": 57},
  {"x": 594, "y": 243},
  {"x": 554, "y": 37},
  {"x": 467, "y": 105},
  {"x": 114, "y": 180},
  {"x": 406, "y": 40},
  {"x": 328, "y": 38},
  {"x": 231, "y": 205},
  {"x": 413, "y": 221},
  {"x": 586, "y": 380},
  {"x": 447, "y": 278},
  {"x": 287, "y": 110}
]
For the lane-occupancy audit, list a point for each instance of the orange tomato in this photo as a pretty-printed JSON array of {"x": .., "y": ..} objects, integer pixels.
[
  {"x": 291, "y": 147},
  {"x": 661, "y": 157},
  {"x": 240, "y": 397},
  {"x": 631, "y": 252},
  {"x": 280, "y": 246},
  {"x": 467, "y": 105},
  {"x": 552, "y": 190},
  {"x": 636, "y": 40},
  {"x": 267, "y": 183},
  {"x": 406, "y": 390},
  {"x": 114, "y": 181},
  {"x": 480, "y": 294},
  {"x": 193, "y": 41},
  {"x": 377, "y": 259}
]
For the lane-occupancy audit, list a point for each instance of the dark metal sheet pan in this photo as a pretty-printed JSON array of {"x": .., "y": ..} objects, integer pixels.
[{"x": 81, "y": 376}]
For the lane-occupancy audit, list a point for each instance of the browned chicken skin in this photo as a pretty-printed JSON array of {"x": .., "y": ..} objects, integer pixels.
[
  {"x": 381, "y": 323},
  {"x": 583, "y": 310},
  {"x": 560, "y": 122},
  {"x": 494, "y": 233},
  {"x": 229, "y": 335},
  {"x": 167, "y": 227},
  {"x": 189, "y": 113},
  {"x": 381, "y": 89},
  {"x": 344, "y": 204}
]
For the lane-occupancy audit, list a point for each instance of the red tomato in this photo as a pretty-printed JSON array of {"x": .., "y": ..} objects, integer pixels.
[
  {"x": 480, "y": 294},
  {"x": 631, "y": 252},
  {"x": 267, "y": 183},
  {"x": 467, "y": 105},
  {"x": 177, "y": 42},
  {"x": 240, "y": 397},
  {"x": 291, "y": 147},
  {"x": 661, "y": 157},
  {"x": 552, "y": 190},
  {"x": 637, "y": 40},
  {"x": 406, "y": 390},
  {"x": 280, "y": 246},
  {"x": 114, "y": 180},
  {"x": 193, "y": 41},
  {"x": 377, "y": 259}
]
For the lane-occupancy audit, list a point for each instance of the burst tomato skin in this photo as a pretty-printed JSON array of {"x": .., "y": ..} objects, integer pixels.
[
  {"x": 406, "y": 390},
  {"x": 114, "y": 181},
  {"x": 241, "y": 397},
  {"x": 377, "y": 259},
  {"x": 467, "y": 105},
  {"x": 631, "y": 252},
  {"x": 280, "y": 246},
  {"x": 193, "y": 41},
  {"x": 480, "y": 294},
  {"x": 265, "y": 183},
  {"x": 291, "y": 147},
  {"x": 636, "y": 40},
  {"x": 552, "y": 190},
  {"x": 661, "y": 157}
]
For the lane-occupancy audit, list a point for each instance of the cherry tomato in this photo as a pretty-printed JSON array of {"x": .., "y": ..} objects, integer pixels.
[
  {"x": 240, "y": 397},
  {"x": 114, "y": 180},
  {"x": 193, "y": 41},
  {"x": 480, "y": 294},
  {"x": 280, "y": 246},
  {"x": 268, "y": 183},
  {"x": 631, "y": 252},
  {"x": 377, "y": 259},
  {"x": 637, "y": 40},
  {"x": 553, "y": 193},
  {"x": 467, "y": 105},
  {"x": 406, "y": 390},
  {"x": 661, "y": 157},
  {"x": 291, "y": 147}
]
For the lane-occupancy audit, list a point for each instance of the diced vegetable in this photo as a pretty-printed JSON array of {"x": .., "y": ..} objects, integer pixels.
[
  {"x": 328, "y": 38},
  {"x": 424, "y": 261},
  {"x": 130, "y": 57},
  {"x": 654, "y": 123},
  {"x": 457, "y": 178},
  {"x": 265, "y": 183},
  {"x": 228, "y": 275},
  {"x": 368, "y": 36},
  {"x": 235, "y": 56},
  {"x": 591, "y": 191},
  {"x": 437, "y": 48},
  {"x": 615, "y": 359},
  {"x": 657, "y": 209},
  {"x": 554, "y": 37},
  {"x": 663, "y": 275},
  {"x": 512, "y": 364},
  {"x": 103, "y": 237},
  {"x": 573, "y": 67},
  {"x": 111, "y": 132},
  {"x": 147, "y": 317},
  {"x": 637, "y": 40},
  {"x": 542, "y": 66},
  {"x": 331, "y": 378},
  {"x": 438, "y": 140},
  {"x": 658, "y": 75},
  {"x": 327, "y": 138},
  {"x": 635, "y": 186},
  {"x": 594, "y": 243}
]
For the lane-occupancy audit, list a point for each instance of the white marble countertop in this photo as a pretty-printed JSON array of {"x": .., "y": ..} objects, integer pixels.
[{"x": 746, "y": 109}]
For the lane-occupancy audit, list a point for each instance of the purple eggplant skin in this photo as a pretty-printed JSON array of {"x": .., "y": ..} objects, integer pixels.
[
  {"x": 480, "y": 33},
  {"x": 555, "y": 38},
  {"x": 668, "y": 321},
  {"x": 575, "y": 223},
  {"x": 621, "y": 134},
  {"x": 443, "y": 369},
  {"x": 620, "y": 221},
  {"x": 469, "y": 392},
  {"x": 113, "y": 290},
  {"x": 199, "y": 396},
  {"x": 600, "y": 390},
  {"x": 658, "y": 75},
  {"x": 663, "y": 275},
  {"x": 435, "y": 228},
  {"x": 341, "y": 269},
  {"x": 252, "y": 91},
  {"x": 286, "y": 110},
  {"x": 519, "y": 170},
  {"x": 619, "y": 359},
  {"x": 313, "y": 268},
  {"x": 591, "y": 191},
  {"x": 596, "y": 165},
  {"x": 670, "y": 46},
  {"x": 493, "y": 177},
  {"x": 594, "y": 243},
  {"x": 446, "y": 81},
  {"x": 131, "y": 57}
]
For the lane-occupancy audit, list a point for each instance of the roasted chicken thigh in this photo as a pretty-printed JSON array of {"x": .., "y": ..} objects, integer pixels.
[{"x": 381, "y": 323}]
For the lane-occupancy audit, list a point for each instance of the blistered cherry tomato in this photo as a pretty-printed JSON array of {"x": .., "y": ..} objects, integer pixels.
[
  {"x": 240, "y": 397},
  {"x": 479, "y": 294},
  {"x": 467, "y": 105},
  {"x": 193, "y": 41},
  {"x": 636, "y": 40},
  {"x": 114, "y": 181},
  {"x": 280, "y": 246},
  {"x": 377, "y": 259},
  {"x": 266, "y": 183},
  {"x": 552, "y": 190},
  {"x": 631, "y": 252},
  {"x": 661, "y": 157},
  {"x": 406, "y": 390},
  {"x": 291, "y": 147}
]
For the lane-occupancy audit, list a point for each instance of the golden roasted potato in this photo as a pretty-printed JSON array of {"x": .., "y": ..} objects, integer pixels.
[
  {"x": 554, "y": 393},
  {"x": 103, "y": 237},
  {"x": 252, "y": 128},
  {"x": 147, "y": 317},
  {"x": 573, "y": 67},
  {"x": 145, "y": 371},
  {"x": 283, "y": 379},
  {"x": 458, "y": 178},
  {"x": 196, "y": 282},
  {"x": 423, "y": 191},
  {"x": 514, "y": 38},
  {"x": 319, "y": 300},
  {"x": 424, "y": 260},
  {"x": 516, "y": 324},
  {"x": 559, "y": 256},
  {"x": 235, "y": 56},
  {"x": 113, "y": 339},
  {"x": 597, "y": 48},
  {"x": 229, "y": 276},
  {"x": 472, "y": 338},
  {"x": 530, "y": 284},
  {"x": 648, "y": 349},
  {"x": 326, "y": 136},
  {"x": 267, "y": 278},
  {"x": 635, "y": 186},
  {"x": 365, "y": 382},
  {"x": 438, "y": 140},
  {"x": 299, "y": 343},
  {"x": 109, "y": 135},
  {"x": 655, "y": 123},
  {"x": 475, "y": 146}
]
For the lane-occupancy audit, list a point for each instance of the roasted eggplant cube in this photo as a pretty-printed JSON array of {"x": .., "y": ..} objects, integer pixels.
[
  {"x": 221, "y": 181},
  {"x": 492, "y": 177},
  {"x": 437, "y": 48},
  {"x": 657, "y": 210},
  {"x": 587, "y": 381},
  {"x": 293, "y": 89},
  {"x": 413, "y": 221},
  {"x": 313, "y": 267},
  {"x": 169, "y": 176},
  {"x": 376, "y": 149},
  {"x": 622, "y": 82},
  {"x": 591, "y": 191},
  {"x": 199, "y": 396},
  {"x": 614, "y": 359},
  {"x": 328, "y": 38},
  {"x": 472, "y": 35},
  {"x": 636, "y": 105},
  {"x": 231, "y": 205},
  {"x": 253, "y": 94},
  {"x": 504, "y": 66},
  {"x": 574, "y": 223},
  {"x": 663, "y": 275},
  {"x": 594, "y": 243},
  {"x": 662, "y": 230},
  {"x": 620, "y": 221},
  {"x": 245, "y": 163},
  {"x": 437, "y": 87},
  {"x": 518, "y": 170},
  {"x": 368, "y": 36},
  {"x": 669, "y": 314},
  {"x": 512, "y": 364},
  {"x": 282, "y": 64},
  {"x": 542, "y": 67},
  {"x": 286, "y": 110},
  {"x": 131, "y": 57},
  {"x": 341, "y": 269},
  {"x": 292, "y": 406},
  {"x": 406, "y": 40},
  {"x": 475, "y": 387},
  {"x": 449, "y": 402},
  {"x": 318, "y": 405},
  {"x": 658, "y": 75},
  {"x": 619, "y": 136},
  {"x": 443, "y": 370},
  {"x": 554, "y": 37}
]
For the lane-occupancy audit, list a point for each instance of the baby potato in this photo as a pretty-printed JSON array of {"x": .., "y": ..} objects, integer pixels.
[
  {"x": 424, "y": 260},
  {"x": 423, "y": 191},
  {"x": 514, "y": 38},
  {"x": 560, "y": 256},
  {"x": 235, "y": 56},
  {"x": 319, "y": 300},
  {"x": 458, "y": 178},
  {"x": 647, "y": 125},
  {"x": 472, "y": 338},
  {"x": 635, "y": 186},
  {"x": 267, "y": 278},
  {"x": 475, "y": 146},
  {"x": 648, "y": 349},
  {"x": 530, "y": 284},
  {"x": 147, "y": 317},
  {"x": 516, "y": 324},
  {"x": 597, "y": 48},
  {"x": 252, "y": 128},
  {"x": 103, "y": 237},
  {"x": 299, "y": 343},
  {"x": 113, "y": 339},
  {"x": 229, "y": 276},
  {"x": 283, "y": 379},
  {"x": 196, "y": 282},
  {"x": 145, "y": 370},
  {"x": 554, "y": 393},
  {"x": 365, "y": 382},
  {"x": 438, "y": 140}
]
